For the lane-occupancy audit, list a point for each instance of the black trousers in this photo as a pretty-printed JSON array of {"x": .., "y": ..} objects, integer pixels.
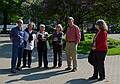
[
  {"x": 99, "y": 64},
  {"x": 42, "y": 54},
  {"x": 27, "y": 53},
  {"x": 57, "y": 50}
]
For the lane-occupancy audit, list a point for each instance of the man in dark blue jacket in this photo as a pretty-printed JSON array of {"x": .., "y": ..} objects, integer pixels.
[{"x": 17, "y": 38}]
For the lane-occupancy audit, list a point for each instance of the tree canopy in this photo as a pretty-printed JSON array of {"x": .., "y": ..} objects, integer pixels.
[{"x": 81, "y": 10}]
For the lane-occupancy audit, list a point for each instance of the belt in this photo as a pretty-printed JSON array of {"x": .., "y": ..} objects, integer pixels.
[{"x": 71, "y": 41}]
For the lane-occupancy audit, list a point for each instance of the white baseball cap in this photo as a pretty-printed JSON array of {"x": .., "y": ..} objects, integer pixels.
[
  {"x": 42, "y": 25},
  {"x": 70, "y": 18}
]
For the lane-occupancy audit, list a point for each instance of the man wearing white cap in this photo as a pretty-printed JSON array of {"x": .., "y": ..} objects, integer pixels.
[{"x": 17, "y": 38}]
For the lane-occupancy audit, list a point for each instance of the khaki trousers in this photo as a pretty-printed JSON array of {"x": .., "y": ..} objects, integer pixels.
[{"x": 71, "y": 52}]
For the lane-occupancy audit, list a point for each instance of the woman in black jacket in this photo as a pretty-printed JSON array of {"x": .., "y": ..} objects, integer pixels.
[{"x": 57, "y": 45}]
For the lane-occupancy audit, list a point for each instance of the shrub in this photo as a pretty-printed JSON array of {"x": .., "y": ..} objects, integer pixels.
[{"x": 113, "y": 43}]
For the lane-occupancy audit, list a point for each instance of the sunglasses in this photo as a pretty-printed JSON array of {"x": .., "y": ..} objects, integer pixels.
[{"x": 19, "y": 22}]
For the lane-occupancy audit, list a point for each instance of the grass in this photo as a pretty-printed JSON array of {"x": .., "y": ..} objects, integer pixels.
[
  {"x": 85, "y": 46},
  {"x": 114, "y": 51}
]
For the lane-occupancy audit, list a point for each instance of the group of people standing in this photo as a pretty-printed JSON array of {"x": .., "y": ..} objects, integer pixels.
[{"x": 23, "y": 42}]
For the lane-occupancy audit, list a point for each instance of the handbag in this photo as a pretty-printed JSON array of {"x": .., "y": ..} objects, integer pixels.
[{"x": 91, "y": 57}]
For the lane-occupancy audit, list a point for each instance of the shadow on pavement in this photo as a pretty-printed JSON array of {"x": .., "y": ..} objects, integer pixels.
[
  {"x": 5, "y": 51},
  {"x": 23, "y": 71},
  {"x": 39, "y": 76},
  {"x": 80, "y": 81},
  {"x": 6, "y": 41},
  {"x": 28, "y": 71},
  {"x": 4, "y": 71}
]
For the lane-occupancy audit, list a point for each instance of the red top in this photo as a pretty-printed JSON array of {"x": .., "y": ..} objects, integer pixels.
[
  {"x": 101, "y": 41},
  {"x": 73, "y": 34}
]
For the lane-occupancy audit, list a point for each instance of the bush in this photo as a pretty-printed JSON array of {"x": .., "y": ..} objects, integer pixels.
[
  {"x": 113, "y": 43},
  {"x": 84, "y": 46}
]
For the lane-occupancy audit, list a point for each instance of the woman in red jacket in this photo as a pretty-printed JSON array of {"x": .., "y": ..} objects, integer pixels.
[{"x": 100, "y": 48}]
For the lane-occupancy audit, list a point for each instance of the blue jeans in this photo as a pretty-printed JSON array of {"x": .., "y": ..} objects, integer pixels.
[{"x": 17, "y": 53}]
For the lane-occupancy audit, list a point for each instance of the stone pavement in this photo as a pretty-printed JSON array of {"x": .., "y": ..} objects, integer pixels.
[
  {"x": 55, "y": 76},
  {"x": 114, "y": 36}
]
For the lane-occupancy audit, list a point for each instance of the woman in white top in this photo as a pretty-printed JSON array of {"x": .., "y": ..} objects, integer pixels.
[
  {"x": 30, "y": 37},
  {"x": 42, "y": 37}
]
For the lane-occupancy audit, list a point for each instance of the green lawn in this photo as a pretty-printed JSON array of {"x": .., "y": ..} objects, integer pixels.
[
  {"x": 85, "y": 46},
  {"x": 114, "y": 51},
  {"x": 113, "y": 45}
]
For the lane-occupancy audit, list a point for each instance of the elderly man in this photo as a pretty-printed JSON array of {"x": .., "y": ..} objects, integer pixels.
[
  {"x": 72, "y": 40},
  {"x": 17, "y": 38}
]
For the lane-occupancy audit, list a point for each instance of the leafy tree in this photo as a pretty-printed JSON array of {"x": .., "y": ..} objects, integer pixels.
[
  {"x": 9, "y": 7},
  {"x": 33, "y": 10},
  {"x": 84, "y": 10}
]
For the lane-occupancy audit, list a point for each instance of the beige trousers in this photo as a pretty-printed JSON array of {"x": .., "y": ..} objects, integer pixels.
[{"x": 71, "y": 52}]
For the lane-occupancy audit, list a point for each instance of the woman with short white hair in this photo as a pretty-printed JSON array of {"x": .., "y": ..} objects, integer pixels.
[{"x": 42, "y": 37}]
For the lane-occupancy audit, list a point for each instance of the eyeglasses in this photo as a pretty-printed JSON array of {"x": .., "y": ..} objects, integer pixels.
[
  {"x": 42, "y": 26},
  {"x": 57, "y": 26}
]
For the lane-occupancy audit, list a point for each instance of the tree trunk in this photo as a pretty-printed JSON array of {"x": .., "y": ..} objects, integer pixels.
[
  {"x": 80, "y": 21},
  {"x": 82, "y": 33},
  {"x": 5, "y": 14}
]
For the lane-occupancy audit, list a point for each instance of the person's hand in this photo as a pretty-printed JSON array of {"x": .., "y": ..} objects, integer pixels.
[
  {"x": 93, "y": 48},
  {"x": 76, "y": 43},
  {"x": 55, "y": 39},
  {"x": 43, "y": 39}
]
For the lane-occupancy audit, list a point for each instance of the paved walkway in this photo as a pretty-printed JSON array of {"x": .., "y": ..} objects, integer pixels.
[
  {"x": 55, "y": 76},
  {"x": 115, "y": 36}
]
